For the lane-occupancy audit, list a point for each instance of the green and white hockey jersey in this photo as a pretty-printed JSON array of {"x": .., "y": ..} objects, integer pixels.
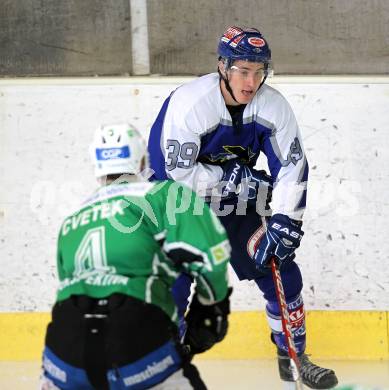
[{"x": 135, "y": 238}]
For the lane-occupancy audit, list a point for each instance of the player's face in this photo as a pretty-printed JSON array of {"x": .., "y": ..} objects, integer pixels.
[{"x": 245, "y": 78}]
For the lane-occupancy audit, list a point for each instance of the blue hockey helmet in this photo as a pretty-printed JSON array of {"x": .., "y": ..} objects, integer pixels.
[{"x": 243, "y": 44}]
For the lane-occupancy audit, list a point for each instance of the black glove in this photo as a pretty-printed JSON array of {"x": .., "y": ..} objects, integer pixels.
[{"x": 206, "y": 324}]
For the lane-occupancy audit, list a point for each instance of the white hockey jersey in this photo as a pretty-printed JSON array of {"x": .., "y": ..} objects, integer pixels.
[{"x": 194, "y": 135}]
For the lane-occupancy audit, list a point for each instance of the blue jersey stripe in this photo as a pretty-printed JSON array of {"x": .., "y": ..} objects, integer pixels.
[{"x": 157, "y": 160}]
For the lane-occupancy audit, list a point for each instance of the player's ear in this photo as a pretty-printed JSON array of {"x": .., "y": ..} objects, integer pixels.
[{"x": 222, "y": 68}]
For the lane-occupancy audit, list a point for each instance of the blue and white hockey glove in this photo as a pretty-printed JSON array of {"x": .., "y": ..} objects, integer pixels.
[
  {"x": 282, "y": 238},
  {"x": 238, "y": 178}
]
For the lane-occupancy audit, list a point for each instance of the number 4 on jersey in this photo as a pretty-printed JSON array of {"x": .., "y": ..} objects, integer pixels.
[{"x": 91, "y": 253}]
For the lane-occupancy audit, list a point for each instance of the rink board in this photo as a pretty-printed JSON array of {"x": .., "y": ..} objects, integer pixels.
[{"x": 331, "y": 335}]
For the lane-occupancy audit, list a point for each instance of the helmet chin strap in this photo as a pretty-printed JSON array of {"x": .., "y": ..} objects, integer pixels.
[
  {"x": 227, "y": 84},
  {"x": 262, "y": 82}
]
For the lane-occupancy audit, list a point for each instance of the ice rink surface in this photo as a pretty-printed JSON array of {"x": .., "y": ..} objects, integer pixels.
[{"x": 231, "y": 375}]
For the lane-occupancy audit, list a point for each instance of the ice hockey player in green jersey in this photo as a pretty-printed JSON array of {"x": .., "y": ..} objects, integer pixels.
[{"x": 114, "y": 323}]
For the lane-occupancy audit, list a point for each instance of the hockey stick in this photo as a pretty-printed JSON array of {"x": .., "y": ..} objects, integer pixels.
[
  {"x": 285, "y": 320},
  {"x": 286, "y": 327}
]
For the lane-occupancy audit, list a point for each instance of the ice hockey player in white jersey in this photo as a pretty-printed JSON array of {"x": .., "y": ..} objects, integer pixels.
[{"x": 208, "y": 135}]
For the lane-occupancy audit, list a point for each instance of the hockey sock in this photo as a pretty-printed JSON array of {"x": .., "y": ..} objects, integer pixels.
[{"x": 297, "y": 320}]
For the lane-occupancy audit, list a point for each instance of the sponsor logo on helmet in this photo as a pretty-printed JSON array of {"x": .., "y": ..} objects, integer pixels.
[
  {"x": 112, "y": 153},
  {"x": 256, "y": 42},
  {"x": 230, "y": 34}
]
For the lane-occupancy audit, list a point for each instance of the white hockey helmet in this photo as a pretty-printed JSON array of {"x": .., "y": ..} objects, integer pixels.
[{"x": 117, "y": 149}]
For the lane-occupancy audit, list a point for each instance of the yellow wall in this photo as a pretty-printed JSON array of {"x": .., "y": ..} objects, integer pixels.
[{"x": 331, "y": 334}]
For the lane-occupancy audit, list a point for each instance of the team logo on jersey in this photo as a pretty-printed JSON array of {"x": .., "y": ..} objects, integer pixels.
[
  {"x": 233, "y": 151},
  {"x": 256, "y": 42},
  {"x": 221, "y": 252},
  {"x": 218, "y": 158},
  {"x": 295, "y": 152}
]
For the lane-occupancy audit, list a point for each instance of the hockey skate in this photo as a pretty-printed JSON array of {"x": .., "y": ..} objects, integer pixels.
[{"x": 313, "y": 376}]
